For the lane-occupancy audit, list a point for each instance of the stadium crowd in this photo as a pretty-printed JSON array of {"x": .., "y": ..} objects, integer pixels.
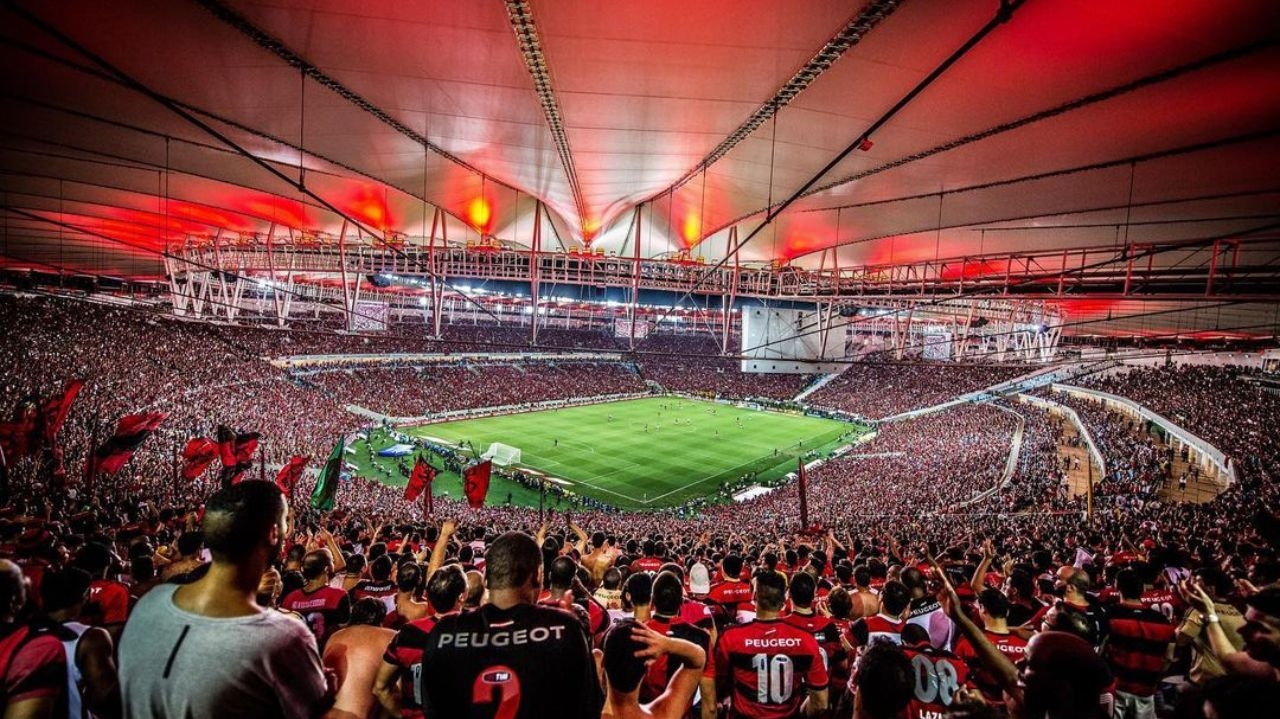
[
  {"x": 882, "y": 390},
  {"x": 140, "y": 594},
  {"x": 1217, "y": 404},
  {"x": 422, "y": 391}
]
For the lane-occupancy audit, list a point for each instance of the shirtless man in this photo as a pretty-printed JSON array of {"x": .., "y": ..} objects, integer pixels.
[
  {"x": 354, "y": 654},
  {"x": 628, "y": 647},
  {"x": 600, "y": 559}
]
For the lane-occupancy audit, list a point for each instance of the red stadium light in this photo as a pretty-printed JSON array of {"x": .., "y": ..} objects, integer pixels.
[
  {"x": 691, "y": 230},
  {"x": 480, "y": 214}
]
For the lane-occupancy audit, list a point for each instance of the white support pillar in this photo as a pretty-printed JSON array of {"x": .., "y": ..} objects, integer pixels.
[
  {"x": 535, "y": 245},
  {"x": 730, "y": 299}
]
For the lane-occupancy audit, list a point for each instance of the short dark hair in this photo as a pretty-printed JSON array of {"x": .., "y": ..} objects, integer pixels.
[
  {"x": 771, "y": 591},
  {"x": 732, "y": 564},
  {"x": 445, "y": 587},
  {"x": 65, "y": 589},
  {"x": 668, "y": 594},
  {"x": 638, "y": 589},
  {"x": 895, "y": 597},
  {"x": 94, "y": 558},
  {"x": 840, "y": 603},
  {"x": 513, "y": 560},
  {"x": 803, "y": 588},
  {"x": 409, "y": 577},
  {"x": 885, "y": 680},
  {"x": 623, "y": 668},
  {"x": 994, "y": 603},
  {"x": 368, "y": 611},
  {"x": 190, "y": 543},
  {"x": 238, "y": 518},
  {"x": 380, "y": 568},
  {"x": 1129, "y": 583},
  {"x": 561, "y": 573}
]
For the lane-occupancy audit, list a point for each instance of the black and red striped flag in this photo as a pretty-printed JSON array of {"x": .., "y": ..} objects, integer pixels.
[
  {"x": 131, "y": 431},
  {"x": 197, "y": 456},
  {"x": 475, "y": 482},
  {"x": 53, "y": 413},
  {"x": 236, "y": 450},
  {"x": 288, "y": 476}
]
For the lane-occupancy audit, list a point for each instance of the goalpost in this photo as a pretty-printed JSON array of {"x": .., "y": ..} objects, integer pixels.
[{"x": 502, "y": 454}]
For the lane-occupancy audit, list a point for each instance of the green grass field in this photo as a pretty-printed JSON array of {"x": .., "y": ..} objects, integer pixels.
[{"x": 636, "y": 454}]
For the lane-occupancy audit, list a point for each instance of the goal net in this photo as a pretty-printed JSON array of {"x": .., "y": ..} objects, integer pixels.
[{"x": 502, "y": 454}]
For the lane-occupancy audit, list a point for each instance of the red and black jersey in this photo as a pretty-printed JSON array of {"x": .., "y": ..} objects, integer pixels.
[
  {"x": 661, "y": 670},
  {"x": 880, "y": 628},
  {"x": 526, "y": 662},
  {"x": 108, "y": 604},
  {"x": 766, "y": 667},
  {"x": 697, "y": 613},
  {"x": 1012, "y": 646},
  {"x": 725, "y": 598},
  {"x": 405, "y": 651},
  {"x": 827, "y": 632},
  {"x": 384, "y": 591},
  {"x": 1136, "y": 648},
  {"x": 1166, "y": 602},
  {"x": 939, "y": 675},
  {"x": 1030, "y": 611},
  {"x": 33, "y": 663},
  {"x": 647, "y": 564},
  {"x": 325, "y": 610},
  {"x": 597, "y": 615}
]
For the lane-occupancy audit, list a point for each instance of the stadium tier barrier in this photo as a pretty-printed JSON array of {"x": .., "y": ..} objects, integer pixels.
[
  {"x": 1212, "y": 455},
  {"x": 1080, "y": 425},
  {"x": 1010, "y": 465}
]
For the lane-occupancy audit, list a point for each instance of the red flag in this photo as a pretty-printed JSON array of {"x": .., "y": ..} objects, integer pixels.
[
  {"x": 420, "y": 480},
  {"x": 197, "y": 456},
  {"x": 54, "y": 411},
  {"x": 290, "y": 473},
  {"x": 131, "y": 431},
  {"x": 804, "y": 497},
  {"x": 236, "y": 451},
  {"x": 475, "y": 483}
]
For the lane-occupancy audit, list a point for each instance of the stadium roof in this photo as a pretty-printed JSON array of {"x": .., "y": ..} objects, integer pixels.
[{"x": 897, "y": 132}]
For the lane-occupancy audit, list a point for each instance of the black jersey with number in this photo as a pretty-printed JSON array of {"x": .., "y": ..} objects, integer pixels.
[{"x": 525, "y": 662}]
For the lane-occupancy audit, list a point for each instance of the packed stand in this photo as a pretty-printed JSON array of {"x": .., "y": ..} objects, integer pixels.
[
  {"x": 881, "y": 390},
  {"x": 1216, "y": 404},
  {"x": 427, "y": 390}
]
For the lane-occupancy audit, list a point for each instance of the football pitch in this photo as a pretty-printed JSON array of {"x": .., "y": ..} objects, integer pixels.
[{"x": 637, "y": 454}]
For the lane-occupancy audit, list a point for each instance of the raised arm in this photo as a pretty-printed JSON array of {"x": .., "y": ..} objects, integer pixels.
[
  {"x": 439, "y": 551},
  {"x": 675, "y": 701}
]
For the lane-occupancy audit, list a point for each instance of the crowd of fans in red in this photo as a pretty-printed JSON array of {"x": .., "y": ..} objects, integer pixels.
[
  {"x": 881, "y": 390},
  {"x": 905, "y": 599}
]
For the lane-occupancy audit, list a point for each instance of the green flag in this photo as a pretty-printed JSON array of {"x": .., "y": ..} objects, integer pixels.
[{"x": 327, "y": 485}]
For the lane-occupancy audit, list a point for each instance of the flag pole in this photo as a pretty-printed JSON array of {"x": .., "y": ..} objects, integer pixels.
[{"x": 804, "y": 499}]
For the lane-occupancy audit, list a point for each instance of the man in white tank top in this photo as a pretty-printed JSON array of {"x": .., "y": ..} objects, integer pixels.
[{"x": 93, "y": 689}]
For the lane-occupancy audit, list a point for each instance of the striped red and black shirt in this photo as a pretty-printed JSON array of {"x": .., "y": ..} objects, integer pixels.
[{"x": 1136, "y": 648}]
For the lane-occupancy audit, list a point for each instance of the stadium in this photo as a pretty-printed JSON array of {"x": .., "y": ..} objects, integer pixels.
[{"x": 881, "y": 359}]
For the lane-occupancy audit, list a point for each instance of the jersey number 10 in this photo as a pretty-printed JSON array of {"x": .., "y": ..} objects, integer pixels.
[{"x": 775, "y": 678}]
